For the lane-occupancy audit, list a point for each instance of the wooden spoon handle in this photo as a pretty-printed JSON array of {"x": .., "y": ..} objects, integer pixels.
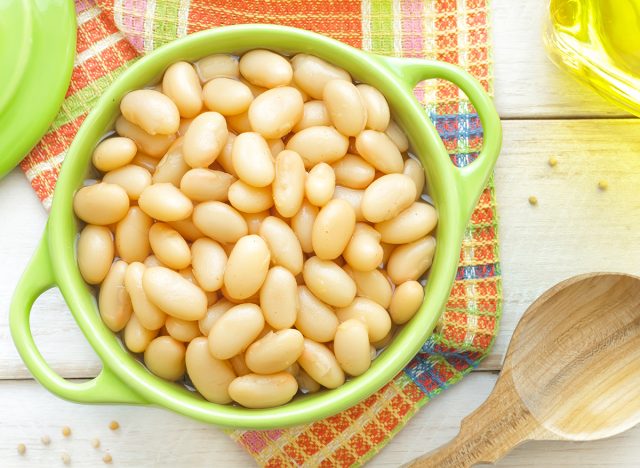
[{"x": 487, "y": 434}]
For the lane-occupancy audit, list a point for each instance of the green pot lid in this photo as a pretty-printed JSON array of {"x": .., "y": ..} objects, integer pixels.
[{"x": 37, "y": 48}]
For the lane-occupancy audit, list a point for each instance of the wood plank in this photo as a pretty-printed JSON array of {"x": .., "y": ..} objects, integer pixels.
[
  {"x": 527, "y": 84},
  {"x": 575, "y": 228},
  {"x": 28, "y": 412},
  {"x": 155, "y": 437},
  {"x": 23, "y": 220},
  {"x": 55, "y": 332}
]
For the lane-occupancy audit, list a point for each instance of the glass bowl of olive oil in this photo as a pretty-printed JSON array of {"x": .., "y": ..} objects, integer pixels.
[{"x": 598, "y": 41}]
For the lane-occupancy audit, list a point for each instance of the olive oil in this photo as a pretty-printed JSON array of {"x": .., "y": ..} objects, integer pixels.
[{"x": 598, "y": 41}]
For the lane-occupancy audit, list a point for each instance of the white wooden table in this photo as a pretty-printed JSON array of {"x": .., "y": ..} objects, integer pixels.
[{"x": 575, "y": 228}]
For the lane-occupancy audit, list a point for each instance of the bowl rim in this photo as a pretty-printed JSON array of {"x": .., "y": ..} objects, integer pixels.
[{"x": 62, "y": 230}]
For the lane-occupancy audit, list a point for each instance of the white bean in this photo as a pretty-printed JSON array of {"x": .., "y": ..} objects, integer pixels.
[
  {"x": 320, "y": 184},
  {"x": 173, "y": 294},
  {"x": 351, "y": 347},
  {"x": 147, "y": 313},
  {"x": 378, "y": 114},
  {"x": 345, "y": 106},
  {"x": 209, "y": 261},
  {"x": 406, "y": 300},
  {"x": 263, "y": 391},
  {"x": 169, "y": 246},
  {"x": 305, "y": 383},
  {"x": 182, "y": 330},
  {"x": 232, "y": 333},
  {"x": 410, "y": 261},
  {"x": 314, "y": 114},
  {"x": 225, "y": 157},
  {"x": 332, "y": 229},
  {"x": 95, "y": 253},
  {"x": 172, "y": 167},
  {"x": 217, "y": 65},
  {"x": 414, "y": 169},
  {"x": 416, "y": 221},
  {"x": 182, "y": 85},
  {"x": 133, "y": 179},
  {"x": 353, "y": 172},
  {"x": 318, "y": 144},
  {"x": 397, "y": 136},
  {"x": 302, "y": 224},
  {"x": 249, "y": 199},
  {"x": 373, "y": 285},
  {"x": 219, "y": 221},
  {"x": 205, "y": 139},
  {"x": 113, "y": 300},
  {"x": 247, "y": 267},
  {"x": 283, "y": 244},
  {"x": 227, "y": 96},
  {"x": 136, "y": 337},
  {"x": 151, "y": 110},
  {"x": 328, "y": 282},
  {"x": 315, "y": 319},
  {"x": 379, "y": 150},
  {"x": 206, "y": 185},
  {"x": 312, "y": 74},
  {"x": 153, "y": 145},
  {"x": 209, "y": 375},
  {"x": 321, "y": 365},
  {"x": 275, "y": 112},
  {"x": 252, "y": 159},
  {"x": 387, "y": 196},
  {"x": 265, "y": 68},
  {"x": 113, "y": 153},
  {"x": 364, "y": 252},
  {"x": 165, "y": 357},
  {"x": 288, "y": 183},
  {"x": 132, "y": 236},
  {"x": 351, "y": 196},
  {"x": 274, "y": 352},
  {"x": 279, "y": 298},
  {"x": 372, "y": 314},
  {"x": 165, "y": 202},
  {"x": 101, "y": 203}
]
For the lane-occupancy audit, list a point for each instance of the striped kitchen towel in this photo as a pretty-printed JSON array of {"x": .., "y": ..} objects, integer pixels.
[{"x": 114, "y": 33}]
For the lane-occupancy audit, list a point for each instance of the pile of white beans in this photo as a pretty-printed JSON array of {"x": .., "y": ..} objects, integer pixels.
[{"x": 257, "y": 226}]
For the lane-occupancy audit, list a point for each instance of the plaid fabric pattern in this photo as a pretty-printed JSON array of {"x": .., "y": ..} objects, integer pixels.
[{"x": 113, "y": 33}]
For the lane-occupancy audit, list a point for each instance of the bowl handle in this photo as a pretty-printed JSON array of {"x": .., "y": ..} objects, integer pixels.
[
  {"x": 471, "y": 179},
  {"x": 38, "y": 278}
]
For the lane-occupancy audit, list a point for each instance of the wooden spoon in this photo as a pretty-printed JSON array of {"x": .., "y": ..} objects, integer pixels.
[{"x": 572, "y": 372}]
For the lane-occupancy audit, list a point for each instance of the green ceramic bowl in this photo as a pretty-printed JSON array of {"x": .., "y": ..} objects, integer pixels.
[
  {"x": 123, "y": 379},
  {"x": 37, "y": 48}
]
